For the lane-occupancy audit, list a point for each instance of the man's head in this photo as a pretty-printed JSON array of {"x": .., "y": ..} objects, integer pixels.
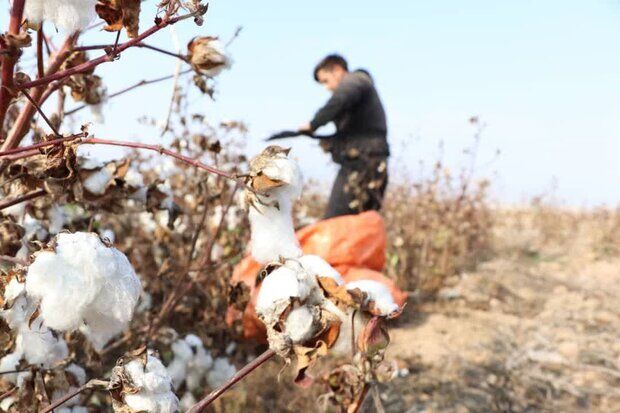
[{"x": 330, "y": 71}]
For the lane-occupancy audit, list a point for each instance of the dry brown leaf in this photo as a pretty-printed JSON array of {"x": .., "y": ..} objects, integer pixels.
[{"x": 120, "y": 13}]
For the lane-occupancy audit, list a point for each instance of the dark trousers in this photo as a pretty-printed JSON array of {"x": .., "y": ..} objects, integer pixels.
[{"x": 359, "y": 186}]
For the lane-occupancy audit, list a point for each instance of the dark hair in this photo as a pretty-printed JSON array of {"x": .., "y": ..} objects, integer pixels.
[{"x": 329, "y": 62}]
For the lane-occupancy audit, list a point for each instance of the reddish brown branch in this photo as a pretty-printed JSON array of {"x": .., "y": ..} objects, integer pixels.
[
  {"x": 22, "y": 198},
  {"x": 91, "y": 64},
  {"x": 41, "y": 144},
  {"x": 72, "y": 394},
  {"x": 9, "y": 60},
  {"x": 43, "y": 115},
  {"x": 166, "y": 52},
  {"x": 157, "y": 148},
  {"x": 247, "y": 369},
  {"x": 40, "y": 69}
]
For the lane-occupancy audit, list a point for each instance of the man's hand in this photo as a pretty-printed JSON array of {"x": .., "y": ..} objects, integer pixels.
[{"x": 305, "y": 128}]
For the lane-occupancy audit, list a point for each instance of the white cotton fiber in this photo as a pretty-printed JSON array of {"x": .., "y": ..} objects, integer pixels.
[
  {"x": 318, "y": 267},
  {"x": 191, "y": 362},
  {"x": 377, "y": 292},
  {"x": 97, "y": 181},
  {"x": 272, "y": 233},
  {"x": 300, "y": 325},
  {"x": 84, "y": 284},
  {"x": 221, "y": 371},
  {"x": 281, "y": 285},
  {"x": 154, "y": 387},
  {"x": 67, "y": 15}
]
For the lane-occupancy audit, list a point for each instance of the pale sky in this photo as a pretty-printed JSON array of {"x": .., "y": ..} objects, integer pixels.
[{"x": 544, "y": 75}]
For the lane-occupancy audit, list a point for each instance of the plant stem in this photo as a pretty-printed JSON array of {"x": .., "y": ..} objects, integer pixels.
[
  {"x": 247, "y": 369},
  {"x": 23, "y": 198},
  {"x": 9, "y": 60}
]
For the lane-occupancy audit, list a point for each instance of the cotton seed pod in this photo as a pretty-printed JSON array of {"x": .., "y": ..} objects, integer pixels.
[{"x": 207, "y": 55}]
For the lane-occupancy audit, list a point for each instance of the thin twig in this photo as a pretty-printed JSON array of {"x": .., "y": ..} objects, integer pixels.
[
  {"x": 72, "y": 394},
  {"x": 8, "y": 393},
  {"x": 23, "y": 198},
  {"x": 42, "y": 144},
  {"x": 162, "y": 151},
  {"x": 234, "y": 36},
  {"x": 40, "y": 69},
  {"x": 129, "y": 88},
  {"x": 247, "y": 369},
  {"x": 9, "y": 60},
  {"x": 43, "y": 115},
  {"x": 166, "y": 52},
  {"x": 362, "y": 396}
]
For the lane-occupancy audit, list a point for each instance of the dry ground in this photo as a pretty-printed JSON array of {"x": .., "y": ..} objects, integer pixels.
[{"x": 535, "y": 329}]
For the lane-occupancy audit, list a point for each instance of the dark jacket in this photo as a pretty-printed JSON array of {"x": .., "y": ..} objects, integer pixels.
[{"x": 356, "y": 109}]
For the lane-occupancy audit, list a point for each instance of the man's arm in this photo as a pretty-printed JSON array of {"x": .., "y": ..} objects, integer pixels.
[{"x": 345, "y": 97}]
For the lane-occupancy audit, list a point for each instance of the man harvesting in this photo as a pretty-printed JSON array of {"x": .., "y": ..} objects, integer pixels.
[{"x": 360, "y": 145}]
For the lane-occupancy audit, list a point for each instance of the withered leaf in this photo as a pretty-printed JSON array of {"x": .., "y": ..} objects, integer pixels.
[
  {"x": 34, "y": 316},
  {"x": 120, "y": 13},
  {"x": 306, "y": 357}
]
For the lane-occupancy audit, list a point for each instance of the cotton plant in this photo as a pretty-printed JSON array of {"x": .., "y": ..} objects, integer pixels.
[
  {"x": 96, "y": 279},
  {"x": 303, "y": 301}
]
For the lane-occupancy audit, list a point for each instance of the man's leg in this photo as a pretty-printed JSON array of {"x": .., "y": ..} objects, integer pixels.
[{"x": 340, "y": 197}]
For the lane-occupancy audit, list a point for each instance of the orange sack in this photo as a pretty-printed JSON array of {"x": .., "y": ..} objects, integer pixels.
[{"x": 355, "y": 245}]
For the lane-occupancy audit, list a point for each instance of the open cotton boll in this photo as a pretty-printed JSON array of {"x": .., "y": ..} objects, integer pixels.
[
  {"x": 352, "y": 323},
  {"x": 154, "y": 387},
  {"x": 377, "y": 292},
  {"x": 221, "y": 371},
  {"x": 302, "y": 323},
  {"x": 282, "y": 168},
  {"x": 318, "y": 267},
  {"x": 67, "y": 15},
  {"x": 280, "y": 286},
  {"x": 187, "y": 401},
  {"x": 191, "y": 362},
  {"x": 97, "y": 182},
  {"x": 84, "y": 283}
]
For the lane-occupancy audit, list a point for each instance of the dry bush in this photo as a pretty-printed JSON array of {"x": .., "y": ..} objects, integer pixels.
[{"x": 436, "y": 227}]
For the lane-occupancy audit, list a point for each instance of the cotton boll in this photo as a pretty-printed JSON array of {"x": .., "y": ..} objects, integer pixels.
[
  {"x": 98, "y": 282},
  {"x": 78, "y": 372},
  {"x": 97, "y": 182},
  {"x": 187, "y": 401},
  {"x": 221, "y": 371},
  {"x": 302, "y": 324},
  {"x": 317, "y": 266},
  {"x": 10, "y": 362},
  {"x": 154, "y": 387},
  {"x": 279, "y": 287},
  {"x": 57, "y": 219},
  {"x": 377, "y": 292},
  {"x": 134, "y": 178},
  {"x": 191, "y": 362},
  {"x": 284, "y": 169}
]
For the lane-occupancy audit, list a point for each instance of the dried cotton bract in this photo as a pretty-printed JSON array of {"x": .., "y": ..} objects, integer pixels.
[
  {"x": 207, "y": 55},
  {"x": 67, "y": 15},
  {"x": 83, "y": 283}
]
